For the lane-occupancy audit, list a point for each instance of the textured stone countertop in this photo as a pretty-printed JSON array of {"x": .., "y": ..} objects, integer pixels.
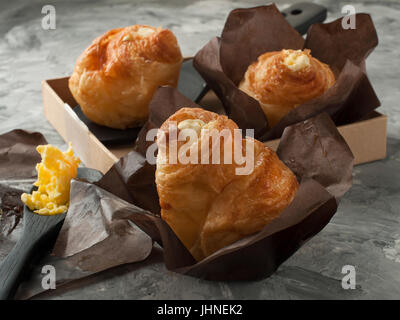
[{"x": 365, "y": 232}]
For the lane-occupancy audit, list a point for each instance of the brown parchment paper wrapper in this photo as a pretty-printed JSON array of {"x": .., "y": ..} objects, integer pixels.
[
  {"x": 313, "y": 149},
  {"x": 18, "y": 158},
  {"x": 11, "y": 209},
  {"x": 248, "y": 33},
  {"x": 18, "y": 155},
  {"x": 102, "y": 240}
]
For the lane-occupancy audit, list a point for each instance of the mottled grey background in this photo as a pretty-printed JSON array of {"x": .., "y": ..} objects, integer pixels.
[{"x": 365, "y": 232}]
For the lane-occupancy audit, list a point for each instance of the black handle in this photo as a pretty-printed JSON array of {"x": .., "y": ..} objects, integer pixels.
[
  {"x": 38, "y": 237},
  {"x": 14, "y": 266},
  {"x": 302, "y": 15},
  {"x": 190, "y": 83}
]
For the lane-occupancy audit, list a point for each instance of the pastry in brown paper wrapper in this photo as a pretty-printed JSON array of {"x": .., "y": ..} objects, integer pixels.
[
  {"x": 248, "y": 33},
  {"x": 313, "y": 149},
  {"x": 97, "y": 233}
]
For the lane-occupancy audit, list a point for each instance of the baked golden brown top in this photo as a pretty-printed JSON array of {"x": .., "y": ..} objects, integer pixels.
[
  {"x": 113, "y": 52},
  {"x": 282, "y": 80},
  {"x": 115, "y": 78}
]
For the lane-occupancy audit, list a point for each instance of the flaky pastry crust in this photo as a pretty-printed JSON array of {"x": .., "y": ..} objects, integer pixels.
[
  {"x": 209, "y": 206},
  {"x": 280, "y": 86},
  {"x": 115, "y": 78}
]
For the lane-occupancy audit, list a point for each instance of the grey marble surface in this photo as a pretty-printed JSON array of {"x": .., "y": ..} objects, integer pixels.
[{"x": 364, "y": 233}]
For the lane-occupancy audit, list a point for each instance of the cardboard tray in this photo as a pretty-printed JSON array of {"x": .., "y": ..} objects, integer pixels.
[{"x": 366, "y": 138}]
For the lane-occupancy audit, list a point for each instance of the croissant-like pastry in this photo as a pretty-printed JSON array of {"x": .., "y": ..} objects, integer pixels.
[
  {"x": 210, "y": 206},
  {"x": 282, "y": 80},
  {"x": 115, "y": 78}
]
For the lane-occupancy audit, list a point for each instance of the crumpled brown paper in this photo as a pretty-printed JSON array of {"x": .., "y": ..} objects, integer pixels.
[
  {"x": 11, "y": 209},
  {"x": 95, "y": 238},
  {"x": 18, "y": 158},
  {"x": 313, "y": 149},
  {"x": 248, "y": 33},
  {"x": 18, "y": 155}
]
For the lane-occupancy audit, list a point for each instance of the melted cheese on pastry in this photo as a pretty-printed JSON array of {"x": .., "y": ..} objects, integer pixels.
[
  {"x": 296, "y": 60},
  {"x": 193, "y": 124}
]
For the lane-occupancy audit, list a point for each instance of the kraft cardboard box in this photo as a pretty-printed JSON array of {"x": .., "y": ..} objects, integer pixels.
[{"x": 366, "y": 138}]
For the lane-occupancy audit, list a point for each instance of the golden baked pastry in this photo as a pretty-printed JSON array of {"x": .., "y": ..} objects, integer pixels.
[
  {"x": 210, "y": 206},
  {"x": 116, "y": 76},
  {"x": 282, "y": 80}
]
